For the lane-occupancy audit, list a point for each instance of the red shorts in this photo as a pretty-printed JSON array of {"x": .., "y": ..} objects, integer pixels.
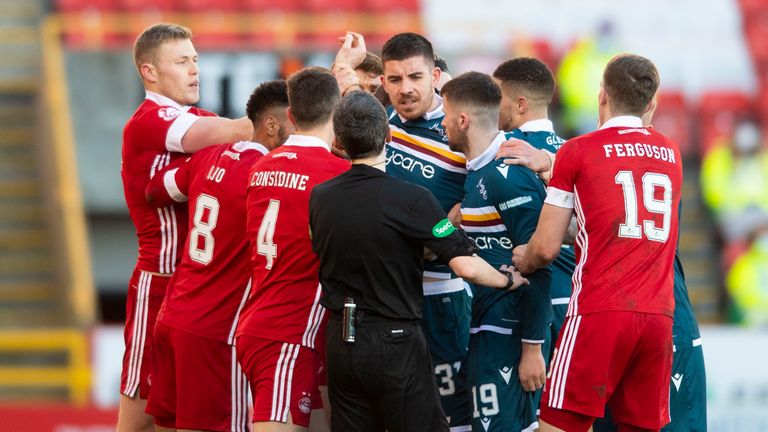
[
  {"x": 622, "y": 359},
  {"x": 145, "y": 295},
  {"x": 196, "y": 383},
  {"x": 283, "y": 379}
]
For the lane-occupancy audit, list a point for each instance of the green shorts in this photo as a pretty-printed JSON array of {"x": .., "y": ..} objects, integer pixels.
[
  {"x": 499, "y": 402},
  {"x": 447, "y": 314}
]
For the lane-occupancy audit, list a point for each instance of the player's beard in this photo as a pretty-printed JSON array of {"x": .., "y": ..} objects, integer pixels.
[{"x": 457, "y": 141}]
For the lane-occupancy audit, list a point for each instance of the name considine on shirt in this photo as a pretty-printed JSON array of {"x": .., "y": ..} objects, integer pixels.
[
  {"x": 640, "y": 150},
  {"x": 280, "y": 179}
]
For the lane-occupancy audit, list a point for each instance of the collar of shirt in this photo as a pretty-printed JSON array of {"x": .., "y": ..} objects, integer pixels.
[
  {"x": 163, "y": 100},
  {"x": 539, "y": 125},
  {"x": 488, "y": 155},
  {"x": 250, "y": 145},
  {"x": 365, "y": 169},
  {"x": 306, "y": 141},
  {"x": 623, "y": 121},
  {"x": 430, "y": 115}
]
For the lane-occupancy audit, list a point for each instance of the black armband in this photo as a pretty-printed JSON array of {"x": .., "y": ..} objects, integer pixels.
[{"x": 461, "y": 245}]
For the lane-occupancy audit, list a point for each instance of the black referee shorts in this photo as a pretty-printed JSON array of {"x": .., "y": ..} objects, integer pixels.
[{"x": 384, "y": 381}]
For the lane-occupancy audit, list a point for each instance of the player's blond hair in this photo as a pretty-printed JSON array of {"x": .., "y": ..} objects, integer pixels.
[{"x": 146, "y": 45}]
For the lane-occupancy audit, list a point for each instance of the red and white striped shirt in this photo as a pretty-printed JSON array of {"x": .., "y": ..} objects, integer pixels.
[
  {"x": 624, "y": 183},
  {"x": 213, "y": 279},
  {"x": 151, "y": 140},
  {"x": 285, "y": 299}
]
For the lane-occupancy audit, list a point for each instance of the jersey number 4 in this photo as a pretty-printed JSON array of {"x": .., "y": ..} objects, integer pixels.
[
  {"x": 630, "y": 228},
  {"x": 265, "y": 238}
]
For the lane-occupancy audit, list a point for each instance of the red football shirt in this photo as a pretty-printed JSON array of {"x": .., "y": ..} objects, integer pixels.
[
  {"x": 151, "y": 140},
  {"x": 624, "y": 182},
  {"x": 213, "y": 279},
  {"x": 285, "y": 301}
]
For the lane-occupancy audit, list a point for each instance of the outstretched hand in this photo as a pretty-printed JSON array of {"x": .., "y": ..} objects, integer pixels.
[
  {"x": 519, "y": 152},
  {"x": 518, "y": 278}
]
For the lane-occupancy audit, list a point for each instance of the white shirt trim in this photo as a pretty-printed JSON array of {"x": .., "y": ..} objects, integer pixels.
[
  {"x": 163, "y": 100},
  {"x": 490, "y": 328},
  {"x": 250, "y": 145},
  {"x": 539, "y": 125},
  {"x": 559, "y": 198},
  {"x": 306, "y": 141},
  {"x": 177, "y": 131},
  {"x": 443, "y": 287},
  {"x": 488, "y": 155},
  {"x": 169, "y": 180},
  {"x": 429, "y": 115},
  {"x": 623, "y": 121}
]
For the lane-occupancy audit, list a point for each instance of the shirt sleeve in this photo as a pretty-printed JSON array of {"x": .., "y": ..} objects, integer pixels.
[
  {"x": 170, "y": 185},
  {"x": 164, "y": 128},
  {"x": 518, "y": 198},
  {"x": 425, "y": 221},
  {"x": 564, "y": 176}
]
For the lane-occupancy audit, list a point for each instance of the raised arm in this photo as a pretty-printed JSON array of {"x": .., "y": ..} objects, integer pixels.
[{"x": 207, "y": 131}]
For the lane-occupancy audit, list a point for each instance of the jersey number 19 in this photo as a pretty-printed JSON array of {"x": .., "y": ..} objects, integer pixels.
[{"x": 630, "y": 228}]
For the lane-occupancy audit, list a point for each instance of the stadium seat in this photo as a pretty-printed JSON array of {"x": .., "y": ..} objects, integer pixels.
[
  {"x": 717, "y": 115},
  {"x": 208, "y": 5},
  {"x": 750, "y": 7},
  {"x": 673, "y": 119},
  {"x": 316, "y": 6},
  {"x": 214, "y": 23},
  {"x": 271, "y": 5},
  {"x": 378, "y": 6},
  {"x": 81, "y": 5},
  {"x": 757, "y": 38},
  {"x": 148, "y": 5}
]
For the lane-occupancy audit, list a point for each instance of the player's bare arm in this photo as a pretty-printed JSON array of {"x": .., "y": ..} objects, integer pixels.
[
  {"x": 532, "y": 370},
  {"x": 545, "y": 243},
  {"x": 519, "y": 152},
  {"x": 349, "y": 56},
  {"x": 207, "y": 131},
  {"x": 573, "y": 230},
  {"x": 477, "y": 270}
]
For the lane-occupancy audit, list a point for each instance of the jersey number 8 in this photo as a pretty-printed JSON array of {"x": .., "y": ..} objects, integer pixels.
[{"x": 203, "y": 229}]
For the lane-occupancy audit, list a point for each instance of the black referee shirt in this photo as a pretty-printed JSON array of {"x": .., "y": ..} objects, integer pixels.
[{"x": 370, "y": 231}]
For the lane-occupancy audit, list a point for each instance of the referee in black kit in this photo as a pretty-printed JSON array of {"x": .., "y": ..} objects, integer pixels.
[{"x": 370, "y": 231}]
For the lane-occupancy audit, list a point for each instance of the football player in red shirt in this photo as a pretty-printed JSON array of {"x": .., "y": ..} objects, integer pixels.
[
  {"x": 196, "y": 381},
  {"x": 624, "y": 182},
  {"x": 163, "y": 127},
  {"x": 280, "y": 334}
]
